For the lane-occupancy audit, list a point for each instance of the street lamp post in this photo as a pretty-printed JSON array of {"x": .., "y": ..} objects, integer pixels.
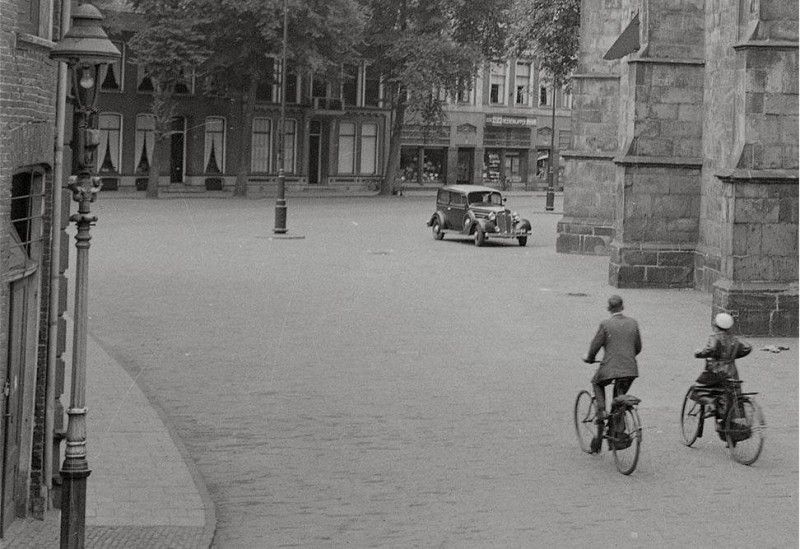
[
  {"x": 280, "y": 203},
  {"x": 550, "y": 197},
  {"x": 87, "y": 50}
]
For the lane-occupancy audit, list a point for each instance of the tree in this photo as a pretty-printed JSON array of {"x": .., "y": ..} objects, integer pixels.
[
  {"x": 247, "y": 38},
  {"x": 550, "y": 30},
  {"x": 170, "y": 45},
  {"x": 426, "y": 50}
]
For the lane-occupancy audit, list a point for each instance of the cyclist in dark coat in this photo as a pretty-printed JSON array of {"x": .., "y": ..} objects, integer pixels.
[
  {"x": 620, "y": 340},
  {"x": 721, "y": 352}
]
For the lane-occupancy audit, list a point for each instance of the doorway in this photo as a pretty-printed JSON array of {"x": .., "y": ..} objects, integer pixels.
[
  {"x": 12, "y": 490},
  {"x": 177, "y": 150},
  {"x": 464, "y": 168},
  {"x": 314, "y": 152}
]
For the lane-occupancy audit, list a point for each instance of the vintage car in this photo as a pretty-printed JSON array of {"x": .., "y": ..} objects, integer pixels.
[{"x": 476, "y": 211}]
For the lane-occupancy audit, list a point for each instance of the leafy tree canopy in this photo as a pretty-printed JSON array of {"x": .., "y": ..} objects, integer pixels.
[{"x": 550, "y": 30}]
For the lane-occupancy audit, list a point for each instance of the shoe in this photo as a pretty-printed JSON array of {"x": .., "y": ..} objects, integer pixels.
[{"x": 596, "y": 445}]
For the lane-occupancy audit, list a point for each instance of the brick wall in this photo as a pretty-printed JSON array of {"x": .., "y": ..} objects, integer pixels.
[{"x": 27, "y": 124}]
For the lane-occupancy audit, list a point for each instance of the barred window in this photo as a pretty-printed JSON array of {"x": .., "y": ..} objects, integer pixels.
[{"x": 27, "y": 207}]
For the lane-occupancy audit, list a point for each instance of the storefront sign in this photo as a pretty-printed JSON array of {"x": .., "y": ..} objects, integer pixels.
[{"x": 504, "y": 120}]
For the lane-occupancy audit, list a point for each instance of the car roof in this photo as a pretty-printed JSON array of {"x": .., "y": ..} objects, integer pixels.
[{"x": 469, "y": 188}]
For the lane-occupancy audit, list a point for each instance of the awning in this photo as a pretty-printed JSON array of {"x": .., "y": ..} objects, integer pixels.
[{"x": 628, "y": 41}]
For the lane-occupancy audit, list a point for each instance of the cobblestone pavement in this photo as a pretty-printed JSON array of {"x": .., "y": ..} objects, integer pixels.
[{"x": 367, "y": 386}]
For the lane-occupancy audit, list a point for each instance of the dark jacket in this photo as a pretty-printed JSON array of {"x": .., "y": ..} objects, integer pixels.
[
  {"x": 721, "y": 353},
  {"x": 619, "y": 338}
]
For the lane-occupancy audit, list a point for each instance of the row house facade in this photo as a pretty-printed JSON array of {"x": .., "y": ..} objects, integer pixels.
[{"x": 336, "y": 135}]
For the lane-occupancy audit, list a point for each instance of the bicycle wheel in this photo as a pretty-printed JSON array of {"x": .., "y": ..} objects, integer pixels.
[
  {"x": 585, "y": 412},
  {"x": 745, "y": 430},
  {"x": 626, "y": 445},
  {"x": 691, "y": 418}
]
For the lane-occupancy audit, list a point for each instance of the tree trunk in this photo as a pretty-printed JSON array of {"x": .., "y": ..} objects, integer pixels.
[
  {"x": 245, "y": 136},
  {"x": 393, "y": 162},
  {"x": 155, "y": 167}
]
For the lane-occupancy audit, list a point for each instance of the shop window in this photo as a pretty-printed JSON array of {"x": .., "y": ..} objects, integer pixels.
[
  {"x": 347, "y": 147},
  {"x": 261, "y": 145},
  {"x": 369, "y": 149},
  {"x": 491, "y": 166},
  {"x": 421, "y": 165},
  {"x": 115, "y": 71},
  {"x": 214, "y": 151},
  {"x": 110, "y": 146},
  {"x": 144, "y": 144},
  {"x": 409, "y": 164},
  {"x": 497, "y": 81}
]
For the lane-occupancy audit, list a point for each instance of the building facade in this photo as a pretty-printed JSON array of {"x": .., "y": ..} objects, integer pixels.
[
  {"x": 498, "y": 131},
  {"x": 684, "y": 161},
  {"x": 31, "y": 380}
]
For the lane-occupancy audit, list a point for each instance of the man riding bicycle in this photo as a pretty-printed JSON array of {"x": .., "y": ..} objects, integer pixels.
[{"x": 620, "y": 340}]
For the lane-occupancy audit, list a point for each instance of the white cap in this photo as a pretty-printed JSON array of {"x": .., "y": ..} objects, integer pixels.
[{"x": 723, "y": 321}]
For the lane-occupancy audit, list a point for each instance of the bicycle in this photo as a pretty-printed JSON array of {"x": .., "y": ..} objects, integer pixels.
[
  {"x": 739, "y": 419},
  {"x": 623, "y": 433}
]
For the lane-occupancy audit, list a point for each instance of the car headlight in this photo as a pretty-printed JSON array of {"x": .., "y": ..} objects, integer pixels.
[
  {"x": 514, "y": 216},
  {"x": 492, "y": 216}
]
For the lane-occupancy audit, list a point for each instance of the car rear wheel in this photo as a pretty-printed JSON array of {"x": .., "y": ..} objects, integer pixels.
[
  {"x": 436, "y": 229},
  {"x": 480, "y": 236},
  {"x": 522, "y": 240}
]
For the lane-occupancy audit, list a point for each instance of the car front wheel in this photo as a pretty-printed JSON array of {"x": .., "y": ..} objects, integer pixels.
[
  {"x": 436, "y": 229},
  {"x": 522, "y": 240},
  {"x": 480, "y": 236}
]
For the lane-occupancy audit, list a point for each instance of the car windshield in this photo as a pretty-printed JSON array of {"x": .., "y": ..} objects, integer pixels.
[{"x": 486, "y": 198}]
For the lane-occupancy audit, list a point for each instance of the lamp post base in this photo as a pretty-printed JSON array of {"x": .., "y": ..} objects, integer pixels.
[
  {"x": 280, "y": 216},
  {"x": 73, "y": 509}
]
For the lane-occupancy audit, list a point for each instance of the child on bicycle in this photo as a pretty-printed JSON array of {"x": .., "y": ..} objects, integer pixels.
[{"x": 721, "y": 352}]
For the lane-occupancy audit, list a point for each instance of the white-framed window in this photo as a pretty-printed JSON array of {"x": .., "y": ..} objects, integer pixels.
[
  {"x": 114, "y": 79},
  {"x": 369, "y": 149},
  {"x": 109, "y": 150},
  {"x": 497, "y": 83},
  {"x": 566, "y": 98},
  {"x": 522, "y": 83},
  {"x": 214, "y": 150},
  {"x": 347, "y": 147},
  {"x": 289, "y": 145},
  {"x": 261, "y": 145},
  {"x": 34, "y": 17},
  {"x": 144, "y": 143},
  {"x": 545, "y": 91}
]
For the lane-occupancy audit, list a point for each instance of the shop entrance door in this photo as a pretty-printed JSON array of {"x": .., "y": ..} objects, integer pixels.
[
  {"x": 464, "y": 167},
  {"x": 13, "y": 495},
  {"x": 314, "y": 152}
]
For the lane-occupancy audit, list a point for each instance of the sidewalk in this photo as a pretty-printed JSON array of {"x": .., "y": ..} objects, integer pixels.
[{"x": 142, "y": 492}]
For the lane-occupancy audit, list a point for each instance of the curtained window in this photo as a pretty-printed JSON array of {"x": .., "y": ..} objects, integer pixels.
[
  {"x": 110, "y": 148},
  {"x": 369, "y": 148},
  {"x": 145, "y": 142},
  {"x": 347, "y": 147},
  {"x": 214, "y": 151}
]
